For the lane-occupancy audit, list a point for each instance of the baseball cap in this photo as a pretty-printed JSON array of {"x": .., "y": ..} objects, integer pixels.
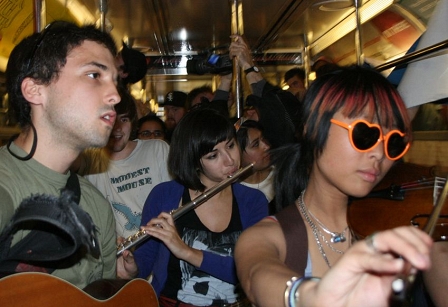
[{"x": 176, "y": 99}]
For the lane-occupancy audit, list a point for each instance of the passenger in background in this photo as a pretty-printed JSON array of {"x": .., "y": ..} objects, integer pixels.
[
  {"x": 151, "y": 127},
  {"x": 323, "y": 65},
  {"x": 174, "y": 108},
  {"x": 255, "y": 149},
  {"x": 64, "y": 102},
  {"x": 277, "y": 110},
  {"x": 125, "y": 171},
  {"x": 295, "y": 78},
  {"x": 191, "y": 259},
  {"x": 250, "y": 113},
  {"x": 132, "y": 66},
  {"x": 356, "y": 127},
  {"x": 199, "y": 95}
]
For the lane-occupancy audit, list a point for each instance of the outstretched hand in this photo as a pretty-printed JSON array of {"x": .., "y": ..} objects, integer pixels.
[{"x": 364, "y": 275}]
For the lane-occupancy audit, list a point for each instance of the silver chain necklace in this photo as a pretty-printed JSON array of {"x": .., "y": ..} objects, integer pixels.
[
  {"x": 336, "y": 237},
  {"x": 329, "y": 244},
  {"x": 316, "y": 231}
]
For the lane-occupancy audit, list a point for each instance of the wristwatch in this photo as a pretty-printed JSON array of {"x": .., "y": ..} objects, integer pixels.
[{"x": 252, "y": 69}]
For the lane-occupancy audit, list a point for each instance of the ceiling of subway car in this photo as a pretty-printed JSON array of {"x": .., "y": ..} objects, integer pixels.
[
  {"x": 174, "y": 26},
  {"x": 186, "y": 27}
]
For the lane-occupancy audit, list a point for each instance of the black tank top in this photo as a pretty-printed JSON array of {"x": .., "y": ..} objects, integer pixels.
[{"x": 185, "y": 277}]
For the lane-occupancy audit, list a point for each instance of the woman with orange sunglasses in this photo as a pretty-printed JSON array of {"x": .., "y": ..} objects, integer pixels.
[{"x": 355, "y": 127}]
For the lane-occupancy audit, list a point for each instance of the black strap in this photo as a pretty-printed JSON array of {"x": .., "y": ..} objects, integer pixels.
[
  {"x": 296, "y": 238},
  {"x": 33, "y": 147},
  {"x": 73, "y": 185}
]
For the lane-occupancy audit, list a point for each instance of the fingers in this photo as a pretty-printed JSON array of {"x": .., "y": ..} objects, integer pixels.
[
  {"x": 161, "y": 227},
  {"x": 408, "y": 242},
  {"x": 120, "y": 240},
  {"x": 370, "y": 267},
  {"x": 126, "y": 266},
  {"x": 162, "y": 219},
  {"x": 238, "y": 47},
  {"x": 236, "y": 38},
  {"x": 166, "y": 216},
  {"x": 385, "y": 264},
  {"x": 126, "y": 256}
]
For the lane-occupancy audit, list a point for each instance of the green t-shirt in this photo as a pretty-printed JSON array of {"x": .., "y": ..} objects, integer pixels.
[{"x": 21, "y": 179}]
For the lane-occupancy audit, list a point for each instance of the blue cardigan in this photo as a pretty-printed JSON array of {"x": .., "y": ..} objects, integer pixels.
[{"x": 152, "y": 255}]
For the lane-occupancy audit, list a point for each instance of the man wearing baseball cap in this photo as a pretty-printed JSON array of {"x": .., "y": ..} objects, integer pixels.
[{"x": 174, "y": 109}]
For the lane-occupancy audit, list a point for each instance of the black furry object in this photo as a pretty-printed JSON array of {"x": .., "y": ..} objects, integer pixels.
[
  {"x": 58, "y": 229},
  {"x": 279, "y": 112}
]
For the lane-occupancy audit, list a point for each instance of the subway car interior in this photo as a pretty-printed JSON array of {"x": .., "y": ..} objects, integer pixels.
[
  {"x": 281, "y": 34},
  {"x": 406, "y": 40}
]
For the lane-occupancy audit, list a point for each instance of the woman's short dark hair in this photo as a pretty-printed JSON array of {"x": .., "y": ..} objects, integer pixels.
[
  {"x": 196, "y": 135},
  {"x": 41, "y": 57},
  {"x": 242, "y": 135}
]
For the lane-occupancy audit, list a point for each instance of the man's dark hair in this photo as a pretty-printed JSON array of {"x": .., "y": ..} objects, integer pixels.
[
  {"x": 41, "y": 57},
  {"x": 151, "y": 118},
  {"x": 195, "y": 92},
  {"x": 127, "y": 106},
  {"x": 295, "y": 72}
]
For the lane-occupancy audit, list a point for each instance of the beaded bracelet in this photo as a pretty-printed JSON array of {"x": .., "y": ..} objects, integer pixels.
[{"x": 292, "y": 285}]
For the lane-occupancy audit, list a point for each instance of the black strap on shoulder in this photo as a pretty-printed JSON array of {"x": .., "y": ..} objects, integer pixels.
[
  {"x": 296, "y": 238},
  {"x": 73, "y": 185}
]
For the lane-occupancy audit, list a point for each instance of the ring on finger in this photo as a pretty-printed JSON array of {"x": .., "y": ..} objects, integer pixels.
[{"x": 370, "y": 241}]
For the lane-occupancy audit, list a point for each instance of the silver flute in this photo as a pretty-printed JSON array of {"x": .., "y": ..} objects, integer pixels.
[{"x": 139, "y": 236}]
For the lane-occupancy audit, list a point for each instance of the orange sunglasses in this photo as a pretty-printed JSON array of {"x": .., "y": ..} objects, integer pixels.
[{"x": 365, "y": 136}]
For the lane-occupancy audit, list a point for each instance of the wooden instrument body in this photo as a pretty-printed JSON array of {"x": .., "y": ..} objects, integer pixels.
[
  {"x": 368, "y": 215},
  {"x": 40, "y": 289}
]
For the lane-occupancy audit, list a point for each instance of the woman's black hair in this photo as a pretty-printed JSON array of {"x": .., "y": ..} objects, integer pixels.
[
  {"x": 287, "y": 182},
  {"x": 352, "y": 90},
  {"x": 196, "y": 135},
  {"x": 242, "y": 135}
]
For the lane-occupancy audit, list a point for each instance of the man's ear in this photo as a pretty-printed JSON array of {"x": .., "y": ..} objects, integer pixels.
[{"x": 32, "y": 91}]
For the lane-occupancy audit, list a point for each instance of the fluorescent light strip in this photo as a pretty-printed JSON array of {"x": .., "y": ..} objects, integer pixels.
[
  {"x": 367, "y": 12},
  {"x": 79, "y": 11}
]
